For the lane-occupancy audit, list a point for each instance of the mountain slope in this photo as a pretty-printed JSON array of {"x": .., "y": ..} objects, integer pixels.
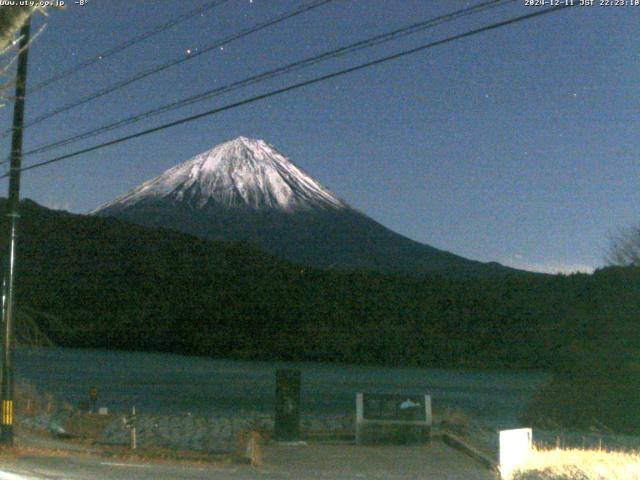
[
  {"x": 246, "y": 190},
  {"x": 115, "y": 285}
]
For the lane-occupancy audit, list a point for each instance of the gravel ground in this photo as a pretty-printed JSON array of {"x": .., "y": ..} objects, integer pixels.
[{"x": 294, "y": 460}]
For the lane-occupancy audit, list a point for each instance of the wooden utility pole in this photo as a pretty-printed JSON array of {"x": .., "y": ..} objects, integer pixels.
[{"x": 13, "y": 204}]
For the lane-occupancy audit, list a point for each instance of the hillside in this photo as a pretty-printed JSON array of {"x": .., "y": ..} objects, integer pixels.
[{"x": 122, "y": 286}]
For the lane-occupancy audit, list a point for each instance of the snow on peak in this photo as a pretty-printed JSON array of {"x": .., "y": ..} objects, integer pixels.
[{"x": 239, "y": 173}]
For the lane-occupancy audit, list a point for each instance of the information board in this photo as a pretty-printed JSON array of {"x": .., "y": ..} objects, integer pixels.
[
  {"x": 394, "y": 407},
  {"x": 392, "y": 418}
]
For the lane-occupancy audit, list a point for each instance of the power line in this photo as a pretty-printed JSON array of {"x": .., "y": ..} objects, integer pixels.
[
  {"x": 367, "y": 43},
  {"x": 177, "y": 61},
  {"x": 296, "y": 86},
  {"x": 123, "y": 46}
]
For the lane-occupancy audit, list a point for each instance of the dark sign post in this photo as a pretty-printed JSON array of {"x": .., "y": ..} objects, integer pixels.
[
  {"x": 287, "y": 424},
  {"x": 392, "y": 418}
]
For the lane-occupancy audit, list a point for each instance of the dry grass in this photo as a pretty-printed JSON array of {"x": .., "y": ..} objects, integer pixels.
[
  {"x": 88, "y": 425},
  {"x": 162, "y": 455},
  {"x": 559, "y": 464},
  {"x": 451, "y": 416},
  {"x": 28, "y": 400},
  {"x": 248, "y": 447},
  {"x": 154, "y": 455}
]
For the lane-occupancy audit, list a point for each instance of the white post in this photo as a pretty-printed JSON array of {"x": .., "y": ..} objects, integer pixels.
[
  {"x": 514, "y": 450},
  {"x": 134, "y": 440}
]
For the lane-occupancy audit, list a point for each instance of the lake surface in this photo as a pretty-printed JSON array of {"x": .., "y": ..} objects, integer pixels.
[{"x": 166, "y": 383}]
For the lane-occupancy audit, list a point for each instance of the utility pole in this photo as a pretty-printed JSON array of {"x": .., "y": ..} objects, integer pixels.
[{"x": 13, "y": 204}]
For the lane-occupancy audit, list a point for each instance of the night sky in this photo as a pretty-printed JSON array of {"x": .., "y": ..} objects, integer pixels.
[{"x": 519, "y": 145}]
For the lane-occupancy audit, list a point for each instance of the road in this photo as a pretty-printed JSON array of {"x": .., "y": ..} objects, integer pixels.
[{"x": 302, "y": 462}]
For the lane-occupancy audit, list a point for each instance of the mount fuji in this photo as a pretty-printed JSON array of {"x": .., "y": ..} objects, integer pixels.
[{"x": 245, "y": 190}]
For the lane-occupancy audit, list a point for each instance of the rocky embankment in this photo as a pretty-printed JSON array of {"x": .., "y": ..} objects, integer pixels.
[{"x": 213, "y": 433}]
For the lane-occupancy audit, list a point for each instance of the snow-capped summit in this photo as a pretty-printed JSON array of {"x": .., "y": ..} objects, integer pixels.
[
  {"x": 241, "y": 173},
  {"x": 245, "y": 190}
]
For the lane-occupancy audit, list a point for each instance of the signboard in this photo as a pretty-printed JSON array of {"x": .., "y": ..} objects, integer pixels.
[
  {"x": 404, "y": 408},
  {"x": 392, "y": 418}
]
